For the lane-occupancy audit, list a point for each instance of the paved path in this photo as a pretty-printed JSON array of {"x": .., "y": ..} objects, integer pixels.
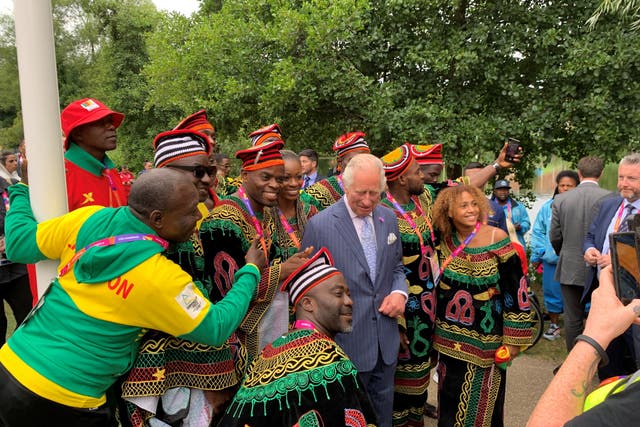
[{"x": 527, "y": 379}]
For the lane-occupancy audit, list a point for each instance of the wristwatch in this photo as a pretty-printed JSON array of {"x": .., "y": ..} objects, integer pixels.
[{"x": 496, "y": 166}]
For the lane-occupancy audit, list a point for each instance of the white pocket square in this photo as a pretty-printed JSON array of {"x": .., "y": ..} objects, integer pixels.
[{"x": 391, "y": 238}]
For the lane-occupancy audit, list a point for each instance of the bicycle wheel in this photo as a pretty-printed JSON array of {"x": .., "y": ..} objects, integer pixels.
[{"x": 537, "y": 319}]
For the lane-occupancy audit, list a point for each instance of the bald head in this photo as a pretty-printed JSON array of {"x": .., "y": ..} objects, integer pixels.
[
  {"x": 158, "y": 189},
  {"x": 167, "y": 201}
]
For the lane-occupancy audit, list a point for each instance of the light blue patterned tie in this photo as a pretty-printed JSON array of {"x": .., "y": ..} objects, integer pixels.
[
  {"x": 368, "y": 241},
  {"x": 625, "y": 225}
]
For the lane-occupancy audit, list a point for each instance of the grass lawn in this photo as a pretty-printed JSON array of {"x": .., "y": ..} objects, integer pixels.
[{"x": 551, "y": 350}]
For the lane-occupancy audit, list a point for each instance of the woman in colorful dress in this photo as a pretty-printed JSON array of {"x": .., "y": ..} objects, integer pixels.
[
  {"x": 292, "y": 211},
  {"x": 482, "y": 312}
]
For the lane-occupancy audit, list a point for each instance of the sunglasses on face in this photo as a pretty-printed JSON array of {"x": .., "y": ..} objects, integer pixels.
[{"x": 198, "y": 171}]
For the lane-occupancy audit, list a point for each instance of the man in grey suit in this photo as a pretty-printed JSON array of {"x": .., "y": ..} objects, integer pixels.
[
  {"x": 571, "y": 216},
  {"x": 363, "y": 237}
]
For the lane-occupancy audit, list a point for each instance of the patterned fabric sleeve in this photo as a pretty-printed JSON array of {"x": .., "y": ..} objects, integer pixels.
[
  {"x": 517, "y": 326},
  {"x": 323, "y": 193},
  {"x": 226, "y": 236}
]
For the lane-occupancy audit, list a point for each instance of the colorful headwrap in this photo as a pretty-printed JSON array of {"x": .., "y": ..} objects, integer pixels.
[
  {"x": 350, "y": 142},
  {"x": 178, "y": 144},
  {"x": 316, "y": 270},
  {"x": 428, "y": 154},
  {"x": 396, "y": 162},
  {"x": 261, "y": 156},
  {"x": 266, "y": 134},
  {"x": 197, "y": 121}
]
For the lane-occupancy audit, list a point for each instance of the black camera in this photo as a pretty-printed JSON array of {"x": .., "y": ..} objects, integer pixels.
[{"x": 625, "y": 260}]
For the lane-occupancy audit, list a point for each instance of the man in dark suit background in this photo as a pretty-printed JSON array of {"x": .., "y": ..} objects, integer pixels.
[
  {"x": 570, "y": 219},
  {"x": 365, "y": 242},
  {"x": 611, "y": 219},
  {"x": 309, "y": 163}
]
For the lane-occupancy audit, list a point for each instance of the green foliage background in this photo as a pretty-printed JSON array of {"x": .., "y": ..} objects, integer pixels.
[{"x": 460, "y": 72}]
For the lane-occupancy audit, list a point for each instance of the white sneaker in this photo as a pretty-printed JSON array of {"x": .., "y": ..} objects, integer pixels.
[{"x": 552, "y": 333}]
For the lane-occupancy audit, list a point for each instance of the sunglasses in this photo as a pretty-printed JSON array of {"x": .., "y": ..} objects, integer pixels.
[{"x": 198, "y": 171}]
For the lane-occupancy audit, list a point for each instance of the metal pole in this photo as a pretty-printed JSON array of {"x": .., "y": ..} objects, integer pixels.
[{"x": 41, "y": 116}]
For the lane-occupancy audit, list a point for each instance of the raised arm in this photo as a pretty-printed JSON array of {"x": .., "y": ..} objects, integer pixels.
[
  {"x": 29, "y": 242},
  {"x": 608, "y": 318}
]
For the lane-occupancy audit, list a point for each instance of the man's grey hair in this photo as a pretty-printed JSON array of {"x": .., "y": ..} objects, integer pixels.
[
  {"x": 631, "y": 159},
  {"x": 364, "y": 162}
]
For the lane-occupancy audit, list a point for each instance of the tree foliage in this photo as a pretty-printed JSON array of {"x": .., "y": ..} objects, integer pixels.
[
  {"x": 626, "y": 9},
  {"x": 461, "y": 72}
]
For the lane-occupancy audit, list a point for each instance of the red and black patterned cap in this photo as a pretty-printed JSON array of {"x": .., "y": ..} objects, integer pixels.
[
  {"x": 396, "y": 162},
  {"x": 316, "y": 270},
  {"x": 197, "y": 121},
  {"x": 267, "y": 133},
  {"x": 178, "y": 144},
  {"x": 261, "y": 156},
  {"x": 428, "y": 154},
  {"x": 351, "y": 142}
]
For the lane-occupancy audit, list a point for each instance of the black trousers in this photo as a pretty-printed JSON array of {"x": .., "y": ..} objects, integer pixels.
[
  {"x": 19, "y": 407},
  {"x": 18, "y": 295}
]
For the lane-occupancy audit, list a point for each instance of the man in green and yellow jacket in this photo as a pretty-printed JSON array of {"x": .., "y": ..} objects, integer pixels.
[{"x": 113, "y": 284}]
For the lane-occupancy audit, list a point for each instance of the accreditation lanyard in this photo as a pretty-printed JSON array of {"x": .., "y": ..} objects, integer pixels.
[
  {"x": 110, "y": 241},
  {"x": 113, "y": 188},
  {"x": 5, "y": 200},
  {"x": 303, "y": 324},
  {"x": 616, "y": 226},
  {"x": 459, "y": 249},
  {"x": 412, "y": 224},
  {"x": 339, "y": 179},
  {"x": 289, "y": 229},
  {"x": 256, "y": 223}
]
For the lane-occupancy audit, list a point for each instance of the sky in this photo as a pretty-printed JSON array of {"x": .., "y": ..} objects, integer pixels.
[{"x": 186, "y": 7}]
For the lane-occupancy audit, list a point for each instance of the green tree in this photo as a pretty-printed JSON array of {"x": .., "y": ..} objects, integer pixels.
[
  {"x": 466, "y": 74},
  {"x": 623, "y": 8},
  {"x": 10, "y": 119}
]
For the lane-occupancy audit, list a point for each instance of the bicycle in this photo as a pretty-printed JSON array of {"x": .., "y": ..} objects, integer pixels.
[{"x": 537, "y": 317}]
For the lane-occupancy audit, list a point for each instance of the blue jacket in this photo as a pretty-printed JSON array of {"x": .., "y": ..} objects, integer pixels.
[
  {"x": 541, "y": 249},
  {"x": 519, "y": 215},
  {"x": 498, "y": 219}
]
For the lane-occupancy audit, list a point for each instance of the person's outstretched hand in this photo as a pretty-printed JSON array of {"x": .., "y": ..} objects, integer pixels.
[
  {"x": 295, "y": 262},
  {"x": 256, "y": 255},
  {"x": 502, "y": 157},
  {"x": 608, "y": 317}
]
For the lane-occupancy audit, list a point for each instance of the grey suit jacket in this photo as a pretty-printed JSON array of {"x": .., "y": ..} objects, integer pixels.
[
  {"x": 571, "y": 215},
  {"x": 333, "y": 229}
]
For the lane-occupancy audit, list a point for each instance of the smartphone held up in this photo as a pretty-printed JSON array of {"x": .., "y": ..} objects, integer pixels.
[
  {"x": 625, "y": 260},
  {"x": 513, "y": 148}
]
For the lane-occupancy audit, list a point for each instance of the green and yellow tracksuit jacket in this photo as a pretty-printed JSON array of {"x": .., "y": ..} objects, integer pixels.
[{"x": 86, "y": 329}]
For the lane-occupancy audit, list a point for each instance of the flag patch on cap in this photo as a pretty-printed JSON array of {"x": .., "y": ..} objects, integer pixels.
[{"x": 89, "y": 105}]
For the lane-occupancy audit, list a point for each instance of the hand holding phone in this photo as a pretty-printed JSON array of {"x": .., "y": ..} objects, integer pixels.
[
  {"x": 513, "y": 148},
  {"x": 626, "y": 268}
]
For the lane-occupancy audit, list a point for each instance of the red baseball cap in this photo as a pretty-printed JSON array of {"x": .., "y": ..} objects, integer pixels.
[{"x": 85, "y": 111}]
